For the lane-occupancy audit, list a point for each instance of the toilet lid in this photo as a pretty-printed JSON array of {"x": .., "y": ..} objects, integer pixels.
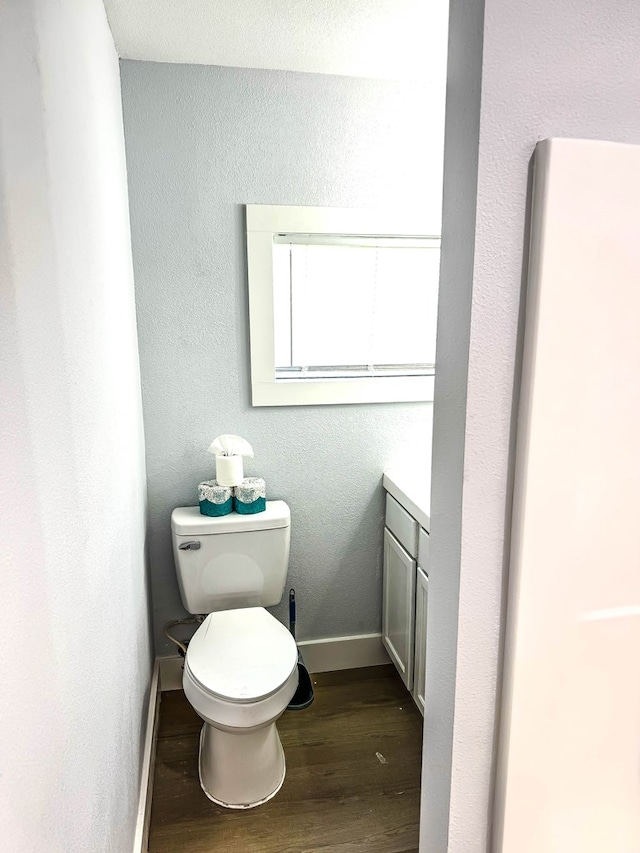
[{"x": 241, "y": 655}]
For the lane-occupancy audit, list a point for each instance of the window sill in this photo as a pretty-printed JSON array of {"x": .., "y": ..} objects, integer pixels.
[{"x": 326, "y": 392}]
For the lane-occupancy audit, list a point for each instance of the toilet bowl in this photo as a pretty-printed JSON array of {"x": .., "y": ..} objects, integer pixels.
[{"x": 240, "y": 673}]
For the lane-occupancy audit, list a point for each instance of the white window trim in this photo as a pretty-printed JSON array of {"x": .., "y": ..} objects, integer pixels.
[{"x": 263, "y": 221}]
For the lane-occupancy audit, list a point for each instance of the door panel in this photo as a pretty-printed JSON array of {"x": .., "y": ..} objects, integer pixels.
[
  {"x": 420, "y": 653},
  {"x": 399, "y": 573}
]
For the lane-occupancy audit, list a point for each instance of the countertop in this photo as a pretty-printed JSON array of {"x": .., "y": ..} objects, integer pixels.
[{"x": 412, "y": 491}]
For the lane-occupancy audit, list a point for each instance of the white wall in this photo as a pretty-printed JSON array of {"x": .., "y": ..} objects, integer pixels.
[
  {"x": 518, "y": 72},
  {"x": 76, "y": 654},
  {"x": 201, "y": 143},
  {"x": 448, "y": 465}
]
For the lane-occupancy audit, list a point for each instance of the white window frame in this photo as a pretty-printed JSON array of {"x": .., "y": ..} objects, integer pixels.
[{"x": 263, "y": 222}]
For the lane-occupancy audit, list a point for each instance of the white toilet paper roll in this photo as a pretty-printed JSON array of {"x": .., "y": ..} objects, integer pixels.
[{"x": 229, "y": 470}]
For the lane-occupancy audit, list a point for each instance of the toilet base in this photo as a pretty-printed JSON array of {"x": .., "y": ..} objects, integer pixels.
[{"x": 241, "y": 771}]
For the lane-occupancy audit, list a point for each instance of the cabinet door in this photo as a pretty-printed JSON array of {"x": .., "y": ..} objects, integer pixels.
[
  {"x": 398, "y": 606},
  {"x": 420, "y": 668}
]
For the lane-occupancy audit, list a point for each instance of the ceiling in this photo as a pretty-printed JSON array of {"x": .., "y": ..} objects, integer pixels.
[{"x": 388, "y": 39}]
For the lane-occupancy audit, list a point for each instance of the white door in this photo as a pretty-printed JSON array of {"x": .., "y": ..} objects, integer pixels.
[
  {"x": 420, "y": 667},
  {"x": 569, "y": 771},
  {"x": 398, "y": 605}
]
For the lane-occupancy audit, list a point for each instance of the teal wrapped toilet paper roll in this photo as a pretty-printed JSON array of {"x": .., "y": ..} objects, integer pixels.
[
  {"x": 250, "y": 496},
  {"x": 214, "y": 499}
]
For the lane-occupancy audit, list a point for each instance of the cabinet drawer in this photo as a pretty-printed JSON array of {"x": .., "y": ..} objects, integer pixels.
[
  {"x": 423, "y": 550},
  {"x": 403, "y": 526}
]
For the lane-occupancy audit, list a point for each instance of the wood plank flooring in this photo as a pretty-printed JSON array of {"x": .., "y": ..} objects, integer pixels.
[{"x": 338, "y": 795}]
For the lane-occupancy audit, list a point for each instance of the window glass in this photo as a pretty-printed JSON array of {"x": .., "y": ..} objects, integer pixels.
[{"x": 354, "y": 305}]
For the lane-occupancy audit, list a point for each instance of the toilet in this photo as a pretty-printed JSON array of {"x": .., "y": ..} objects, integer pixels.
[{"x": 240, "y": 670}]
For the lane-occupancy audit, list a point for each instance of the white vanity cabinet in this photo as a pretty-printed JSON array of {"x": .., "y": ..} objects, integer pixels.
[
  {"x": 420, "y": 653},
  {"x": 398, "y": 605},
  {"x": 405, "y": 594}
]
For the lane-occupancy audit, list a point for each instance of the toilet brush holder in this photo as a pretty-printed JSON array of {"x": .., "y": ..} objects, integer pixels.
[{"x": 304, "y": 694}]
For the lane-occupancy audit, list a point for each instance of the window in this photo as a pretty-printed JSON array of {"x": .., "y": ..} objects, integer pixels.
[{"x": 343, "y": 306}]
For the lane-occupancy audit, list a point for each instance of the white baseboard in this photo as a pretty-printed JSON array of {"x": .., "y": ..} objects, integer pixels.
[
  {"x": 141, "y": 837},
  {"x": 319, "y": 656},
  {"x": 343, "y": 652}
]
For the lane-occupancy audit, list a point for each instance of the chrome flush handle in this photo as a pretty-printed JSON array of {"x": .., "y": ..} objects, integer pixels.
[{"x": 193, "y": 545}]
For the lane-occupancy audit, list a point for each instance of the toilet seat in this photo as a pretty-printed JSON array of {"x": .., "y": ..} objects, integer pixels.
[{"x": 241, "y": 656}]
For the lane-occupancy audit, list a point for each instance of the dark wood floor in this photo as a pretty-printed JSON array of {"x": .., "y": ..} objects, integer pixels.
[{"x": 352, "y": 784}]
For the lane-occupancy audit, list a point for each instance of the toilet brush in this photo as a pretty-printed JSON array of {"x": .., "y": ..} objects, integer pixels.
[{"x": 303, "y": 696}]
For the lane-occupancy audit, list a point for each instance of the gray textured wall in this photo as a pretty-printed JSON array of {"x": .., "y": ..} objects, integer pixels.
[
  {"x": 524, "y": 72},
  {"x": 76, "y": 661},
  {"x": 202, "y": 142}
]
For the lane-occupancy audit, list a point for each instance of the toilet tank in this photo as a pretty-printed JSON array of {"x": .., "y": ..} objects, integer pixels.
[{"x": 233, "y": 560}]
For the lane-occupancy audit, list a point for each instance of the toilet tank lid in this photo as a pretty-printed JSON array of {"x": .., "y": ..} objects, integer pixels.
[{"x": 188, "y": 521}]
